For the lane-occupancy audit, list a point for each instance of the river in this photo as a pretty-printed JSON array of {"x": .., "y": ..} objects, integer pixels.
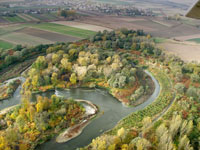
[{"x": 111, "y": 112}]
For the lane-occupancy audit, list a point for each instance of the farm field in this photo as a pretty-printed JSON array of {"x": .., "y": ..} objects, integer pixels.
[
  {"x": 25, "y": 18},
  {"x": 158, "y": 27},
  {"x": 197, "y": 40},
  {"x": 44, "y": 17},
  {"x": 188, "y": 38},
  {"x": 5, "y": 45},
  {"x": 15, "y": 19},
  {"x": 44, "y": 33},
  {"x": 188, "y": 51},
  {"x": 82, "y": 25},
  {"x": 24, "y": 39},
  {"x": 67, "y": 30},
  {"x": 55, "y": 37}
]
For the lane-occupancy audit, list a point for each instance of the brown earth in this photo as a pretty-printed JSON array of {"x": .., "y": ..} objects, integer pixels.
[
  {"x": 157, "y": 26},
  {"x": 188, "y": 51},
  {"x": 188, "y": 37}
]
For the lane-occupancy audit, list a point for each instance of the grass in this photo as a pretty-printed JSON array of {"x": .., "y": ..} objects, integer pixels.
[
  {"x": 5, "y": 45},
  {"x": 197, "y": 40},
  {"x": 62, "y": 29}
]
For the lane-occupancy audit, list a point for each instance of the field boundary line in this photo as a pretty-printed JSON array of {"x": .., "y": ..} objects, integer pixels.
[{"x": 55, "y": 32}]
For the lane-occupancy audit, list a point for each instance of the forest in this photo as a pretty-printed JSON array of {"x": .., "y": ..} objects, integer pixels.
[{"x": 114, "y": 61}]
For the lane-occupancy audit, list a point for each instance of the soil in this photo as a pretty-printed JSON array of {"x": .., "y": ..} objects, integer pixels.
[
  {"x": 188, "y": 51},
  {"x": 188, "y": 37},
  {"x": 156, "y": 26}
]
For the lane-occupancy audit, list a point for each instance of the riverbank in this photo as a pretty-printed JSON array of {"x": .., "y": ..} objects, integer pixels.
[
  {"x": 6, "y": 110},
  {"x": 77, "y": 129},
  {"x": 122, "y": 95},
  {"x": 8, "y": 88},
  {"x": 153, "y": 110}
]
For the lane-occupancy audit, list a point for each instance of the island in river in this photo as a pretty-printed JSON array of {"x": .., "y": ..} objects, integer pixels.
[
  {"x": 74, "y": 131},
  {"x": 7, "y": 89}
]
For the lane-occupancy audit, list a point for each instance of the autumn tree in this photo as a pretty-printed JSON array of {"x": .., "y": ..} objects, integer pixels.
[
  {"x": 184, "y": 143},
  {"x": 54, "y": 79},
  {"x": 175, "y": 125},
  {"x": 73, "y": 78},
  {"x": 40, "y": 63}
]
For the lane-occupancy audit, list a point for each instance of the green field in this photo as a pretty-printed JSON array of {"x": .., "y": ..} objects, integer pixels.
[
  {"x": 14, "y": 19},
  {"x": 197, "y": 40},
  {"x": 76, "y": 32},
  {"x": 159, "y": 40},
  {"x": 5, "y": 45}
]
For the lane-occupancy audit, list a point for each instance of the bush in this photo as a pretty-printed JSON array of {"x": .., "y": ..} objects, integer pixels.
[
  {"x": 180, "y": 88},
  {"x": 192, "y": 92},
  {"x": 195, "y": 78}
]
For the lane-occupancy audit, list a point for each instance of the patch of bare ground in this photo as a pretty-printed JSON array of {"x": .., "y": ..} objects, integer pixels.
[
  {"x": 114, "y": 22},
  {"x": 188, "y": 37},
  {"x": 156, "y": 26},
  {"x": 51, "y": 36},
  {"x": 188, "y": 51},
  {"x": 132, "y": 19},
  {"x": 85, "y": 26},
  {"x": 177, "y": 30}
]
